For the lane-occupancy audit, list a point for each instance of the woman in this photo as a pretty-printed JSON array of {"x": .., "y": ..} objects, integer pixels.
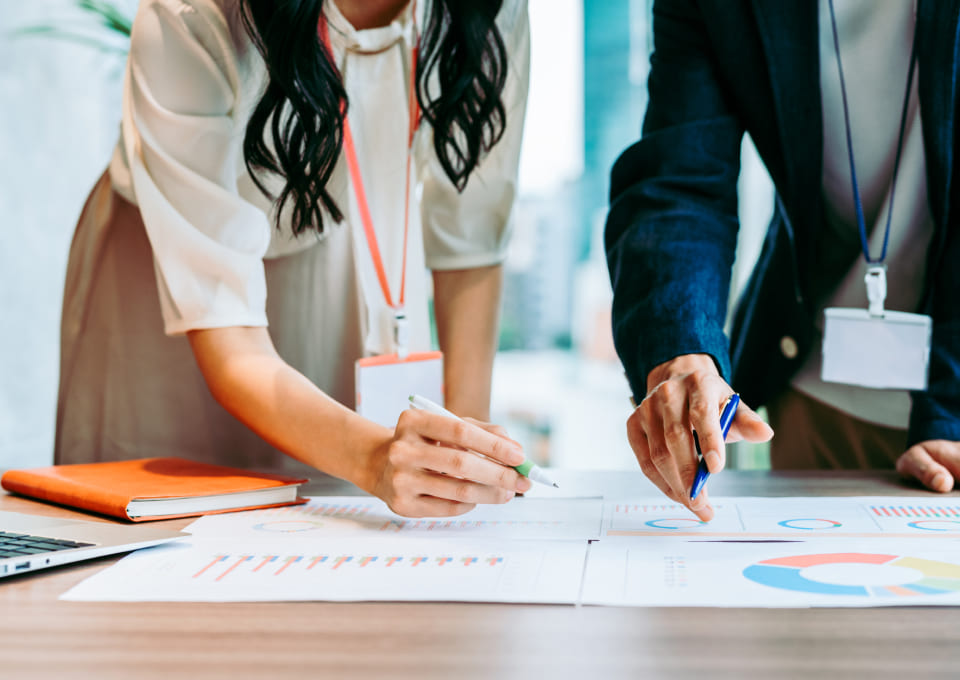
[{"x": 227, "y": 207}]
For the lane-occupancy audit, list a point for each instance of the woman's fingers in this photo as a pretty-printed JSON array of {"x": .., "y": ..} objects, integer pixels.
[
  {"x": 440, "y": 466},
  {"x": 498, "y": 430},
  {"x": 428, "y": 506},
  {"x": 415, "y": 423},
  {"x": 462, "y": 490},
  {"x": 467, "y": 465}
]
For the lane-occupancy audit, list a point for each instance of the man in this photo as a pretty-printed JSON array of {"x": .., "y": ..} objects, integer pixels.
[{"x": 770, "y": 68}]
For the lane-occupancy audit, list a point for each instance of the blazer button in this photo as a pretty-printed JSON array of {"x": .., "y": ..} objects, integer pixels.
[{"x": 789, "y": 347}]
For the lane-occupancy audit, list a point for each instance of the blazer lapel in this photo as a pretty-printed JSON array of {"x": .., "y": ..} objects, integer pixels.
[
  {"x": 789, "y": 33},
  {"x": 938, "y": 42}
]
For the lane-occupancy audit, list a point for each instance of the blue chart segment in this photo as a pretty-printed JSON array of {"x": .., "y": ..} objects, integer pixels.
[
  {"x": 786, "y": 573},
  {"x": 810, "y": 524},
  {"x": 919, "y": 519},
  {"x": 674, "y": 523},
  {"x": 936, "y": 524},
  {"x": 917, "y": 512}
]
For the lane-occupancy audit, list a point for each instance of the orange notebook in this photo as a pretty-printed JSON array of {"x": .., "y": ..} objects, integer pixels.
[{"x": 154, "y": 488}]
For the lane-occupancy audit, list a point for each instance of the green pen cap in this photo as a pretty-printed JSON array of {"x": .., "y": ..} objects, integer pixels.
[{"x": 524, "y": 468}]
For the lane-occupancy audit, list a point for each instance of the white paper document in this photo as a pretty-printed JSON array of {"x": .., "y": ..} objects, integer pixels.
[
  {"x": 208, "y": 570},
  {"x": 362, "y": 516},
  {"x": 757, "y": 552},
  {"x": 671, "y": 572},
  {"x": 788, "y": 518}
]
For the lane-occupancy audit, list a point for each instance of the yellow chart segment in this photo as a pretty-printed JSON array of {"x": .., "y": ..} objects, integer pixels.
[{"x": 930, "y": 568}]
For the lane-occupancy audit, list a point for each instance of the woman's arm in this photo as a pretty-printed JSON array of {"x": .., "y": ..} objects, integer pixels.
[
  {"x": 467, "y": 309},
  {"x": 406, "y": 467},
  {"x": 250, "y": 380},
  {"x": 466, "y": 232}
]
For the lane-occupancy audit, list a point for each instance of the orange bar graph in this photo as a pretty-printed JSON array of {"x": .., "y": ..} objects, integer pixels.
[
  {"x": 218, "y": 558},
  {"x": 233, "y": 566}
]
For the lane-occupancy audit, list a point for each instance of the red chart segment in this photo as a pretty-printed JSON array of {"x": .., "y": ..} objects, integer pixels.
[
  {"x": 219, "y": 567},
  {"x": 834, "y": 558},
  {"x": 675, "y": 523},
  {"x": 917, "y": 511},
  {"x": 936, "y": 524},
  {"x": 810, "y": 523},
  {"x": 927, "y": 577}
]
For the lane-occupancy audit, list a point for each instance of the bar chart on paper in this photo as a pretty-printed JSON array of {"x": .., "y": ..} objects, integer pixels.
[
  {"x": 344, "y": 516},
  {"x": 256, "y": 567},
  {"x": 927, "y": 517},
  {"x": 498, "y": 571}
]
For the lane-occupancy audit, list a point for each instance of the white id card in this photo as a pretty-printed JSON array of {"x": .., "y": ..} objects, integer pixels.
[
  {"x": 891, "y": 351},
  {"x": 385, "y": 383}
]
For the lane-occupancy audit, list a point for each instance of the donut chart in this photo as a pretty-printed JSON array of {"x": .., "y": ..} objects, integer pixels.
[
  {"x": 786, "y": 573},
  {"x": 936, "y": 524},
  {"x": 809, "y": 523},
  {"x": 674, "y": 523}
]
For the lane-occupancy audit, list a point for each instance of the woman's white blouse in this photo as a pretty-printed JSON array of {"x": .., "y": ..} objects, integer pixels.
[{"x": 192, "y": 81}]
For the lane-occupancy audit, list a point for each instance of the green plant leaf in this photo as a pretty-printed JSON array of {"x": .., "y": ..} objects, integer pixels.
[
  {"x": 57, "y": 33},
  {"x": 110, "y": 15}
]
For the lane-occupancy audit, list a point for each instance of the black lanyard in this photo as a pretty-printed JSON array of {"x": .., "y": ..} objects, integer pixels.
[{"x": 896, "y": 164}]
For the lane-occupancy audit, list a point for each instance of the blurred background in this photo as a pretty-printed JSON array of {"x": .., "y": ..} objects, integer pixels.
[{"x": 558, "y": 386}]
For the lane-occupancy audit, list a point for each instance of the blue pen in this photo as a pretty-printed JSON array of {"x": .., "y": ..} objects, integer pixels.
[{"x": 726, "y": 420}]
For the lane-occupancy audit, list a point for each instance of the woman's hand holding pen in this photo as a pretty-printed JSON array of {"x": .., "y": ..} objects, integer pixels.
[
  {"x": 430, "y": 466},
  {"x": 686, "y": 394}
]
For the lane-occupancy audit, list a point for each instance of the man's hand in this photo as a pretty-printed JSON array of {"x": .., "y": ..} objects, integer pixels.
[
  {"x": 935, "y": 463},
  {"x": 686, "y": 394}
]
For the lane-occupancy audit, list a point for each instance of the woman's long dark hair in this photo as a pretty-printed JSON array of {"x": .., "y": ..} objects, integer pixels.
[{"x": 462, "y": 57}]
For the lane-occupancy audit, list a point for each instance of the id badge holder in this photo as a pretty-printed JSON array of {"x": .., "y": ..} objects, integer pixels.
[
  {"x": 385, "y": 382},
  {"x": 873, "y": 347}
]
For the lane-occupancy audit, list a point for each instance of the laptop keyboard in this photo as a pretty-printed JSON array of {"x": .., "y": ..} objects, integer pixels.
[{"x": 18, "y": 545}]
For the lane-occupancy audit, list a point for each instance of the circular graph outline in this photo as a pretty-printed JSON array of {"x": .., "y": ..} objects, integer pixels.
[
  {"x": 916, "y": 525},
  {"x": 786, "y": 523},
  {"x": 653, "y": 522},
  {"x": 784, "y": 573}
]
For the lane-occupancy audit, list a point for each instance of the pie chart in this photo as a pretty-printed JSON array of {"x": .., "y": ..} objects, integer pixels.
[
  {"x": 857, "y": 574},
  {"x": 936, "y": 524},
  {"x": 674, "y": 523},
  {"x": 809, "y": 524}
]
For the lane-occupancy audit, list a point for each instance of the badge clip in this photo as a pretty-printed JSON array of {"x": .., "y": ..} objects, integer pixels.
[
  {"x": 876, "y": 280},
  {"x": 401, "y": 334}
]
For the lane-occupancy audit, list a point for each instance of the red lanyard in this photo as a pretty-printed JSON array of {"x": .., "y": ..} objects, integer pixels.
[{"x": 350, "y": 150}]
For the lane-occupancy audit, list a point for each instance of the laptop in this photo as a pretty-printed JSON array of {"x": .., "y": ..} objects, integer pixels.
[{"x": 31, "y": 542}]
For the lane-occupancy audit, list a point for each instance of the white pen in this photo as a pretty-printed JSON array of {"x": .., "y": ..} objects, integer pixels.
[{"x": 527, "y": 468}]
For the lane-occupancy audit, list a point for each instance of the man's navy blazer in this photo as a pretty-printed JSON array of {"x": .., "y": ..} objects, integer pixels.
[{"x": 720, "y": 68}]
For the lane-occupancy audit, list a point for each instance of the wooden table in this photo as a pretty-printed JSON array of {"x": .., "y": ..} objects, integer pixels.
[{"x": 42, "y": 637}]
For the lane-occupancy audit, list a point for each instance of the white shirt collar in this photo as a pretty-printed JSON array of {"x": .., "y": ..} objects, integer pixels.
[{"x": 369, "y": 40}]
